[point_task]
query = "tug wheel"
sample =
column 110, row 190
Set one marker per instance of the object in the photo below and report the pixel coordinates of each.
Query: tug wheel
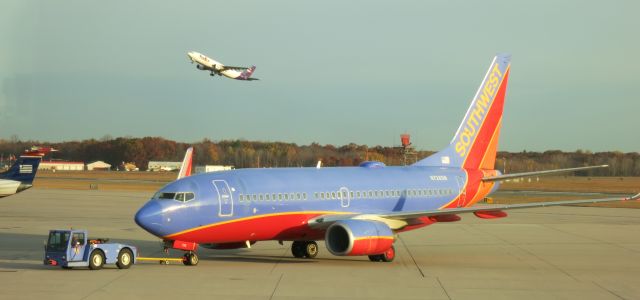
column 125, row 259
column 96, row 260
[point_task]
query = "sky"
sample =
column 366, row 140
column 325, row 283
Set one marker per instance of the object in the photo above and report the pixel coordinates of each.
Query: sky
column 332, row 72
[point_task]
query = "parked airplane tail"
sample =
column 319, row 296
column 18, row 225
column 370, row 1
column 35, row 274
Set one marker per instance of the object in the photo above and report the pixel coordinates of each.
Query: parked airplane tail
column 23, row 170
column 246, row 74
column 185, row 168
column 475, row 143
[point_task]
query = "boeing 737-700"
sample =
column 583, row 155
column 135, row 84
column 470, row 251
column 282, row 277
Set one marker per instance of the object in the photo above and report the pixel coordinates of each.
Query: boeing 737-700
column 355, row 210
column 203, row 62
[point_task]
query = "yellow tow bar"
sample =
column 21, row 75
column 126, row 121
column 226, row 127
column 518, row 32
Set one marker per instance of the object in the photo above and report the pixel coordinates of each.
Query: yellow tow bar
column 160, row 260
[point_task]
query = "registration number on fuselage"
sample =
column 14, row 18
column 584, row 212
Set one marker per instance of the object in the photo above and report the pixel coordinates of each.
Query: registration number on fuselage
column 438, row 178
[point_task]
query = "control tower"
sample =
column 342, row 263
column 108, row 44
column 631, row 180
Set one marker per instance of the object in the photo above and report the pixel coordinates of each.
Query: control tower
column 409, row 153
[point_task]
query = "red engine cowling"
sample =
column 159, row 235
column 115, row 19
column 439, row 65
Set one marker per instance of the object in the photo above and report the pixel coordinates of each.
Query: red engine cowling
column 358, row 237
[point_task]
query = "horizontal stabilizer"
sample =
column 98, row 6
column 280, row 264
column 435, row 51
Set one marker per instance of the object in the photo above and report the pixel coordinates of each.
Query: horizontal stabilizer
column 538, row 173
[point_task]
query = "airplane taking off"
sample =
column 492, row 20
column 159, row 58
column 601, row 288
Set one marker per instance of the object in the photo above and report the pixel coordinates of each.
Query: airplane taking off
column 355, row 210
column 20, row 176
column 206, row 63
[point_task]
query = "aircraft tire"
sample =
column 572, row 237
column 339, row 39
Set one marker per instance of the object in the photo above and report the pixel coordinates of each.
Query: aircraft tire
column 375, row 258
column 190, row 259
column 388, row 255
column 125, row 259
column 298, row 249
column 311, row 249
column 96, row 260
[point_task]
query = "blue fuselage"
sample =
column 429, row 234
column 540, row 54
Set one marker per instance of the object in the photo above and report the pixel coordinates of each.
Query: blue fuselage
column 193, row 207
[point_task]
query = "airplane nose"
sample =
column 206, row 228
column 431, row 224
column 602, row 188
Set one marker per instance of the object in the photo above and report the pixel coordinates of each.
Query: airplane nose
column 149, row 217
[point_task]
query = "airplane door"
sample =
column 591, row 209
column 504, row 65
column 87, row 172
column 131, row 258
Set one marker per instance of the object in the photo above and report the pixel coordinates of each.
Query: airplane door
column 462, row 191
column 225, row 198
column 345, row 198
column 75, row 250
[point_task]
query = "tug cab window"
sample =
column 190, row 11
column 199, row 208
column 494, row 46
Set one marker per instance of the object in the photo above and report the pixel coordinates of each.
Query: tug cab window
column 58, row 241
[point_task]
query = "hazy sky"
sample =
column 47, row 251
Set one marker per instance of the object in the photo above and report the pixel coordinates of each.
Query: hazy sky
column 331, row 71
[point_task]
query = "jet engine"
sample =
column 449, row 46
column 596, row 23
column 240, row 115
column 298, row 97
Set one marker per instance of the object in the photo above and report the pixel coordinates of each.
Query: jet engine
column 200, row 67
column 358, row 237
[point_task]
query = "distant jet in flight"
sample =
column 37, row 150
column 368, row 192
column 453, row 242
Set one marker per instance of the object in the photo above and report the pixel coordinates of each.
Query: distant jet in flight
column 206, row 63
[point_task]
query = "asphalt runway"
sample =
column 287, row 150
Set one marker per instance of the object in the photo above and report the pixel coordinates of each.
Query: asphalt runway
column 544, row 253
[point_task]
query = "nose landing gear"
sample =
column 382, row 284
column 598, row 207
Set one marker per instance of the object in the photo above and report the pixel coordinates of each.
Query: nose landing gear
column 190, row 259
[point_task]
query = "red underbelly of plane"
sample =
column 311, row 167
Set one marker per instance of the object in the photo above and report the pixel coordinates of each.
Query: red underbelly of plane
column 286, row 226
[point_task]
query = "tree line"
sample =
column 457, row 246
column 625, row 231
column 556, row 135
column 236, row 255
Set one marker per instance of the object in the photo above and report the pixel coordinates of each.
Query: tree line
column 257, row 154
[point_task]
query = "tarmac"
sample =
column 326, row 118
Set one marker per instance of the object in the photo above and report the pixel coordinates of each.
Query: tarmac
column 543, row 253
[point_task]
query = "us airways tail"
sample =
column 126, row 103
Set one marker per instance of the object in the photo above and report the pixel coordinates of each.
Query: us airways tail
column 475, row 144
column 20, row 176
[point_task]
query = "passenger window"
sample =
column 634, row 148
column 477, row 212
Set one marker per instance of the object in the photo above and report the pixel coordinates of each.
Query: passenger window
column 315, row 195
column 333, row 195
column 351, row 194
column 292, row 196
column 266, row 197
column 322, row 195
column 358, row 194
column 254, row 197
column 280, row 196
column 298, row 196
column 273, row 197
column 261, row 197
column 286, row 197
column 304, row 196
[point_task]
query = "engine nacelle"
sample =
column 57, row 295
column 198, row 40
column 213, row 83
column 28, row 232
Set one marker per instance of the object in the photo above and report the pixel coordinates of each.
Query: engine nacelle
column 358, row 237
column 200, row 67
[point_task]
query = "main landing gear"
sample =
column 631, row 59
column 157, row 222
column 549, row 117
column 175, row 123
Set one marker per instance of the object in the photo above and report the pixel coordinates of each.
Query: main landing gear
column 190, row 259
column 387, row 256
column 304, row 249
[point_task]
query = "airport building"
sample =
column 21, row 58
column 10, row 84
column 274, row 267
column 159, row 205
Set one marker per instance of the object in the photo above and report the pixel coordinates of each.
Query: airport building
column 98, row 166
column 164, row 166
column 61, row 165
column 212, row 168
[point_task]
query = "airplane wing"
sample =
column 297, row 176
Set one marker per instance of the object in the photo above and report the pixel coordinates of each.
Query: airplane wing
column 397, row 220
column 537, row 173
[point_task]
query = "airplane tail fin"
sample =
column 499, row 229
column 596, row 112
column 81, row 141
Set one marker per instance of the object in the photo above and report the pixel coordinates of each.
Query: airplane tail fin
column 24, row 169
column 185, row 168
column 475, row 144
column 246, row 74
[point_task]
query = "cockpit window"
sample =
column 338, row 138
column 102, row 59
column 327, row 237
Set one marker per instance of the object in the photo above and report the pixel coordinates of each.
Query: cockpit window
column 182, row 197
column 166, row 195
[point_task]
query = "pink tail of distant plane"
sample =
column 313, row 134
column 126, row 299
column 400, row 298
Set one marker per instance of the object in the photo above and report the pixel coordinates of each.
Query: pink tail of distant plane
column 246, row 75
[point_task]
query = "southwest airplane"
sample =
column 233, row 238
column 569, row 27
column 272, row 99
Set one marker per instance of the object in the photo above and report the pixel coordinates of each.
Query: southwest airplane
column 355, row 210
column 20, row 176
column 206, row 63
